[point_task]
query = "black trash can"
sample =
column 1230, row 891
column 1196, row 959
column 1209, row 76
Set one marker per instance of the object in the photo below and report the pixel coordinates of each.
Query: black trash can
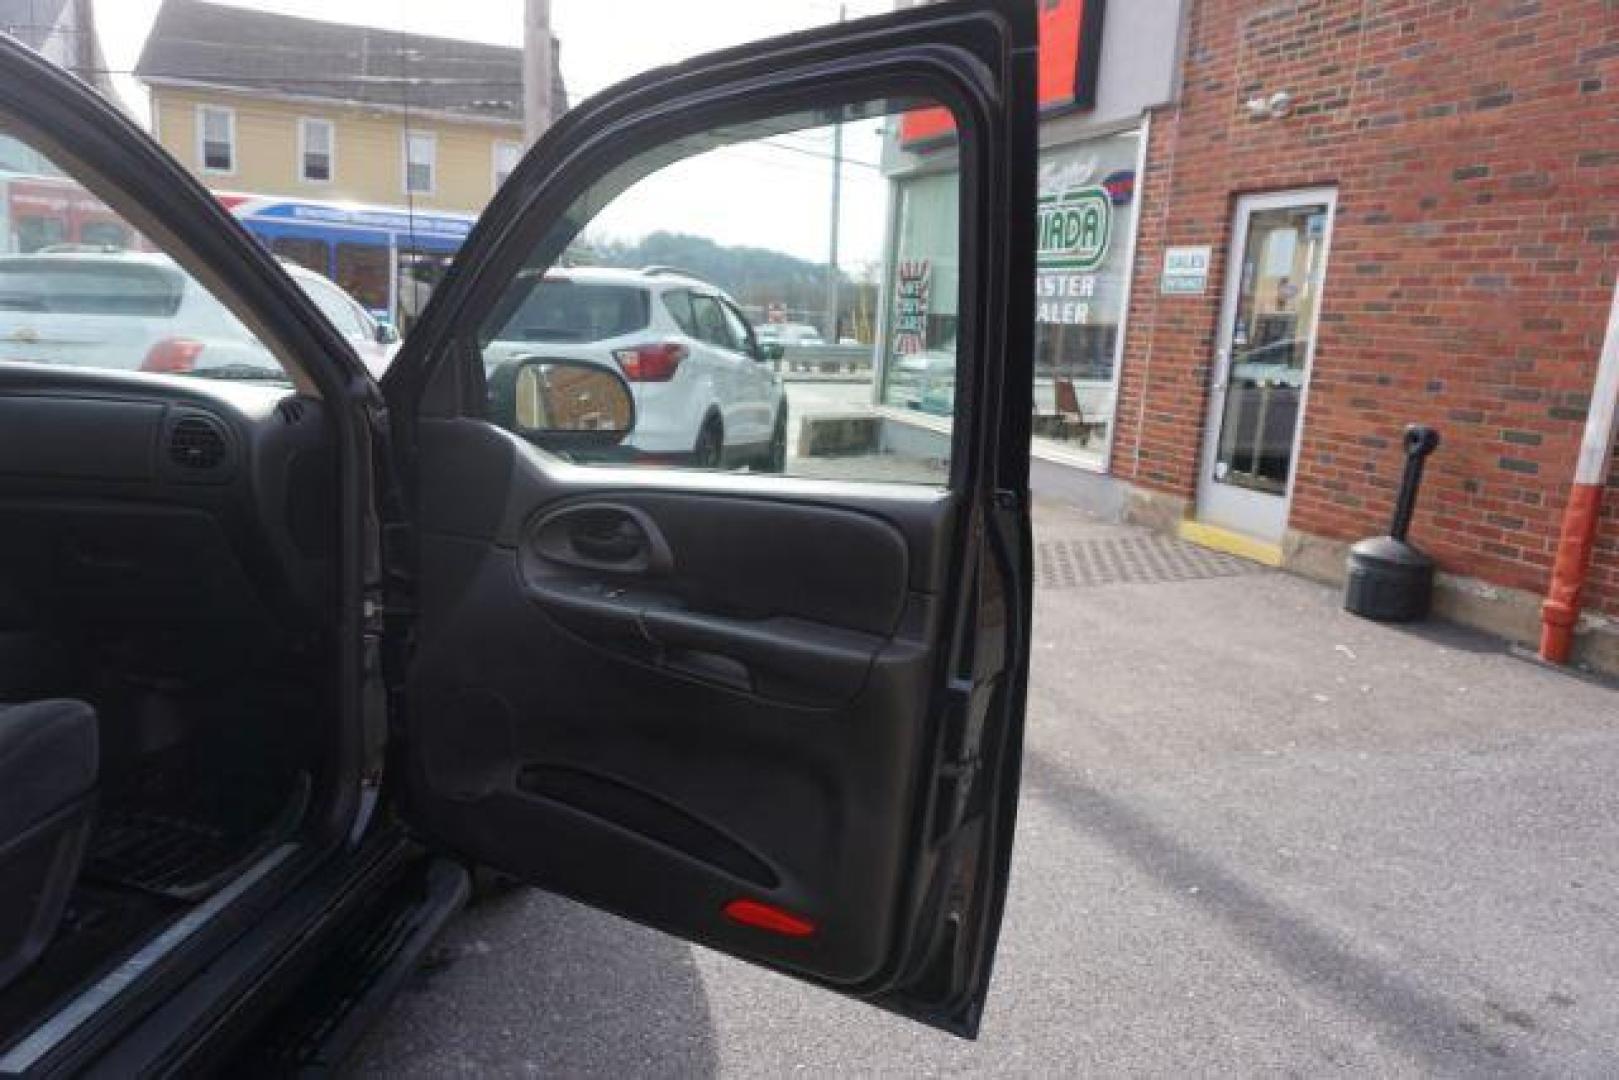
column 1389, row 579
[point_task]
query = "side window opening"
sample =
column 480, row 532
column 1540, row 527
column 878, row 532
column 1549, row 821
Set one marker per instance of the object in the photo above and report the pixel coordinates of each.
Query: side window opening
column 741, row 335
column 729, row 227
column 711, row 322
column 678, row 303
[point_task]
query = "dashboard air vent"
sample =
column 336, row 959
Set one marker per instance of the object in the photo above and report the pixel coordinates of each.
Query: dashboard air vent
column 195, row 442
column 291, row 411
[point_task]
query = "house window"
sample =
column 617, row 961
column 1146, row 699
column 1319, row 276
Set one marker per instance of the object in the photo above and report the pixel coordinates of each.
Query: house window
column 421, row 153
column 216, row 138
column 317, row 142
column 507, row 155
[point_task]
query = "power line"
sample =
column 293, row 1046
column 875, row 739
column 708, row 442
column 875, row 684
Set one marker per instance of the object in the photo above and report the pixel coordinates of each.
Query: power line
column 409, row 52
column 843, row 159
column 748, row 154
column 235, row 79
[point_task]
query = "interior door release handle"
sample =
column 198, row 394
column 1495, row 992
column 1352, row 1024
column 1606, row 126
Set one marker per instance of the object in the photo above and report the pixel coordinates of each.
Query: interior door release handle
column 622, row 543
column 601, row 536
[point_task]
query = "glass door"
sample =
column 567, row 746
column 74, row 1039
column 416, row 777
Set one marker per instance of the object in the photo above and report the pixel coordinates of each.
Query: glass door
column 1267, row 336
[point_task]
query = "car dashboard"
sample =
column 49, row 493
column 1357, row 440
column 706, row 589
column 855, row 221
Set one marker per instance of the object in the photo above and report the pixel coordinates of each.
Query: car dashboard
column 131, row 498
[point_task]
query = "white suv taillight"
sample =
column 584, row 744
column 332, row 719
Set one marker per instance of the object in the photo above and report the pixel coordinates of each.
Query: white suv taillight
column 651, row 363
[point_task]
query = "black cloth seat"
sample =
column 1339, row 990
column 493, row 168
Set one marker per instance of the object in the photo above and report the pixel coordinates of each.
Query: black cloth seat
column 49, row 756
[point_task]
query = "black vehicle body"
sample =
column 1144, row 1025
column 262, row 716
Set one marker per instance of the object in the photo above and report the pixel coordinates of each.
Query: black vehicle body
column 813, row 757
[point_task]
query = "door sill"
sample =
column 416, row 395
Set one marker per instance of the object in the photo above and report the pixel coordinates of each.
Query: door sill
column 90, row 1003
column 379, row 947
column 1231, row 542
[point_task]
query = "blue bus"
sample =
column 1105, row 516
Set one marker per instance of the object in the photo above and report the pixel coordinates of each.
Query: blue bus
column 389, row 259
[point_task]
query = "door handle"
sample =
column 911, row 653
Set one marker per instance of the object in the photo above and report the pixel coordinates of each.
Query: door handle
column 601, row 536
column 620, row 544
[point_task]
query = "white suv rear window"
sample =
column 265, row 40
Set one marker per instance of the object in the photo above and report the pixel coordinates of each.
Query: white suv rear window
column 563, row 310
column 88, row 288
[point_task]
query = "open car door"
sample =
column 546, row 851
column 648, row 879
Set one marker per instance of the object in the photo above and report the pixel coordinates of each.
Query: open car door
column 777, row 714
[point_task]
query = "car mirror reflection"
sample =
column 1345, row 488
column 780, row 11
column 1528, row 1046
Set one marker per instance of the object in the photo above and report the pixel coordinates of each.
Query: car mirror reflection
column 568, row 406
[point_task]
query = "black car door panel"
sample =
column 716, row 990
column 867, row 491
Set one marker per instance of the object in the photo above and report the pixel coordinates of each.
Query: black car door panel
column 782, row 773
column 774, row 715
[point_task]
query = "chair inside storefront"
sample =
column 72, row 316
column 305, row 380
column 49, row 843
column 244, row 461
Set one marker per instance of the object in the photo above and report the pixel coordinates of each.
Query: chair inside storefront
column 1069, row 422
column 1070, row 417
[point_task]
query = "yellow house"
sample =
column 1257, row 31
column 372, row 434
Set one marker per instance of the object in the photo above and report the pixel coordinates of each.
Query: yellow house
column 267, row 104
column 329, row 150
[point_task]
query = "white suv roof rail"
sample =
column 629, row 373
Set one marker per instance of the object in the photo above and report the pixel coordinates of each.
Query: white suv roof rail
column 657, row 271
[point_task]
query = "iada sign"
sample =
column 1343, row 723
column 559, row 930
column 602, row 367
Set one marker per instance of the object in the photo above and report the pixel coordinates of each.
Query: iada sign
column 1072, row 229
column 1070, row 45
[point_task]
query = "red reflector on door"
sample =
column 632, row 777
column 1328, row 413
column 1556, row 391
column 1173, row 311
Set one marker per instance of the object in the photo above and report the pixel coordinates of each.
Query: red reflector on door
column 768, row 917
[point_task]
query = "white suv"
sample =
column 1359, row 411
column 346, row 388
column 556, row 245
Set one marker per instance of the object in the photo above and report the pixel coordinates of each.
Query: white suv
column 705, row 394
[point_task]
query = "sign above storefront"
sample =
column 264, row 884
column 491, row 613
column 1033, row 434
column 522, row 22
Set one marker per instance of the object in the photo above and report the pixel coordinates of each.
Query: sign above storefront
column 1072, row 229
column 1070, row 48
column 1186, row 271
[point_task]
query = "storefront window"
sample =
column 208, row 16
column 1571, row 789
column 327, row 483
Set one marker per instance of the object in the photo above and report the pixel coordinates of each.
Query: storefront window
column 920, row 352
column 1085, row 218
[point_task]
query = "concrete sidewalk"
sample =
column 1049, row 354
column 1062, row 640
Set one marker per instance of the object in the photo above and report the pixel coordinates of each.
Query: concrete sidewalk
column 1258, row 836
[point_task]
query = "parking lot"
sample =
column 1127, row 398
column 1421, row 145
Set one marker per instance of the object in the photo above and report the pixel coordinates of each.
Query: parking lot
column 1258, row 836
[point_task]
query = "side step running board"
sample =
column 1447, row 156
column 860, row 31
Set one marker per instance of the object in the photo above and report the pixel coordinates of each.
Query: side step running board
column 312, row 1033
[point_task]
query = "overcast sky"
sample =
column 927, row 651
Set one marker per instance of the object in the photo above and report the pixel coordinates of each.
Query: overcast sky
column 767, row 197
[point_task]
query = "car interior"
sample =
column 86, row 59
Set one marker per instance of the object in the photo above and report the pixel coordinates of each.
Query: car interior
column 170, row 596
column 774, row 715
column 165, row 627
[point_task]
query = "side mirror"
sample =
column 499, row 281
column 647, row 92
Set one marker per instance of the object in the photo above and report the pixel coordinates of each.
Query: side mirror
column 571, row 407
column 387, row 334
column 771, row 350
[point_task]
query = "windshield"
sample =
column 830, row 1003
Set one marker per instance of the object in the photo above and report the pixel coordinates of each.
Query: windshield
column 557, row 309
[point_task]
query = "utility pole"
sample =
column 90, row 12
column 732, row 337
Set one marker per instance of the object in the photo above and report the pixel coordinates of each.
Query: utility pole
column 84, row 44
column 539, row 56
column 837, row 198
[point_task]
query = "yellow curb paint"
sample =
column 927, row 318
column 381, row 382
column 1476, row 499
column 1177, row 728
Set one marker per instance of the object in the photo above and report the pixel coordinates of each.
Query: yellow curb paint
column 1232, row 543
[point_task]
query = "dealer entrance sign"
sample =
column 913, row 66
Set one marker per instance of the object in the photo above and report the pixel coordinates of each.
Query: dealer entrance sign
column 1073, row 229
column 1186, row 271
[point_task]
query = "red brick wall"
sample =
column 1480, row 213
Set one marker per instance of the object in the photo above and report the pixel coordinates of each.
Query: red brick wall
column 1475, row 149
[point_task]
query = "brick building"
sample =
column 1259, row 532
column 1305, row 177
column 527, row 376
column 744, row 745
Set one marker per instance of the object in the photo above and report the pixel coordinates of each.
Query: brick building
column 1458, row 164
column 1346, row 216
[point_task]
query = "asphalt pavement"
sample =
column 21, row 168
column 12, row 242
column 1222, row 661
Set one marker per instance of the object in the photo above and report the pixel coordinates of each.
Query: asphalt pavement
column 1258, row 837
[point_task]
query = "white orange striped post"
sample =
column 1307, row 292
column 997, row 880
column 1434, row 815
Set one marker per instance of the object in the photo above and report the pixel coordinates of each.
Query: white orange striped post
column 1561, row 610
